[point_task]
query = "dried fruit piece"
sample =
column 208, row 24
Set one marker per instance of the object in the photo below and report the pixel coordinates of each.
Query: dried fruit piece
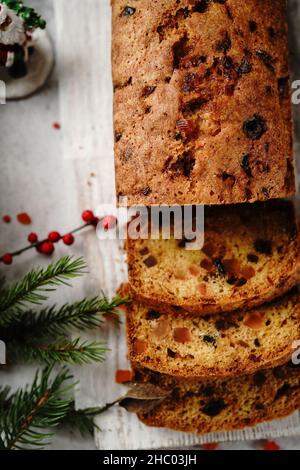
column 194, row 270
column 128, row 11
column 210, row 339
column 282, row 391
column 224, row 324
column 244, row 67
column 148, row 90
column 267, row 59
column 201, row 6
column 182, row 335
column 162, row 328
column 153, row 315
column 248, row 272
column 255, row 127
column 202, row 289
column 259, row 378
column 252, row 258
column 123, row 376
column 254, row 320
column 245, row 165
column 139, row 346
column 232, row 266
column 224, row 45
column 146, row 191
column 184, row 164
column 214, row 407
column 171, row 353
column 193, row 105
column 252, row 26
column 118, row 136
column 263, row 246
column 150, row 262
column 208, row 265
column 220, row 267
column 283, row 86
column 209, row 249
column 180, row 50
column 180, row 274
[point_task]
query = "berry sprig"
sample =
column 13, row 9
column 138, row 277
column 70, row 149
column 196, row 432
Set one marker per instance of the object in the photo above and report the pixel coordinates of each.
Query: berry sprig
column 47, row 245
column 31, row 19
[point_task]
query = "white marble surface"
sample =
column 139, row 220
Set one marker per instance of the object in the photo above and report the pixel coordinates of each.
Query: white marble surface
column 47, row 173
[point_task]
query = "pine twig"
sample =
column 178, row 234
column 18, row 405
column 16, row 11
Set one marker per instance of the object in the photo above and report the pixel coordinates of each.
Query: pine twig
column 61, row 351
column 34, row 285
column 82, row 420
column 34, row 409
column 52, row 321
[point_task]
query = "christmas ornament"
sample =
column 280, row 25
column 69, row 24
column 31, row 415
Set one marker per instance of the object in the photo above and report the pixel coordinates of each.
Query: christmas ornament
column 26, row 53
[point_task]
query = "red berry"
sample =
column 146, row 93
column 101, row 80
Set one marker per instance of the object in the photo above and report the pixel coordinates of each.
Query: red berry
column 109, row 222
column 271, row 445
column 46, row 248
column 7, row 258
column 24, row 218
column 88, row 216
column 56, row 125
column 210, row 446
column 54, row 237
column 32, row 238
column 68, row 239
column 6, row 219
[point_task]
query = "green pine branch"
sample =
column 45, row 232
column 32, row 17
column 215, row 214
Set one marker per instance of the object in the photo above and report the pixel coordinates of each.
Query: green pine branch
column 34, row 409
column 82, row 420
column 30, row 335
column 32, row 288
column 56, row 321
column 62, row 350
column 31, row 19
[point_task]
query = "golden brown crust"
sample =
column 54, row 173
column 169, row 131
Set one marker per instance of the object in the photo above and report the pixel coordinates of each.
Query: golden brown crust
column 257, row 250
column 224, row 345
column 214, row 406
column 202, row 101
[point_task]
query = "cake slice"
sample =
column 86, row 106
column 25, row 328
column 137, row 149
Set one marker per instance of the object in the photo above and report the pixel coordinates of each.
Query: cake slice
column 223, row 405
column 223, row 345
column 251, row 255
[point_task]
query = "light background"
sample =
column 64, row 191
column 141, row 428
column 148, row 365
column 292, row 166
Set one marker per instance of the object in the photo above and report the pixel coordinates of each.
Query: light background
column 54, row 175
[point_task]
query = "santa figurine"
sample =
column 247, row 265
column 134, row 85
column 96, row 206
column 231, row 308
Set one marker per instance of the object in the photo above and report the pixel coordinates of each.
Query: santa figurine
column 17, row 27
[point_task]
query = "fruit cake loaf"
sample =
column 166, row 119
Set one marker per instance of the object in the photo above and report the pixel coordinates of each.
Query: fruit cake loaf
column 202, row 109
column 224, row 405
column 222, row 345
column 251, row 255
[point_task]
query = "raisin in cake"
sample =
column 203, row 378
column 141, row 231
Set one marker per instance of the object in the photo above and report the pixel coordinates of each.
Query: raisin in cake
column 224, row 405
column 202, row 110
column 251, row 255
column 222, row 345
